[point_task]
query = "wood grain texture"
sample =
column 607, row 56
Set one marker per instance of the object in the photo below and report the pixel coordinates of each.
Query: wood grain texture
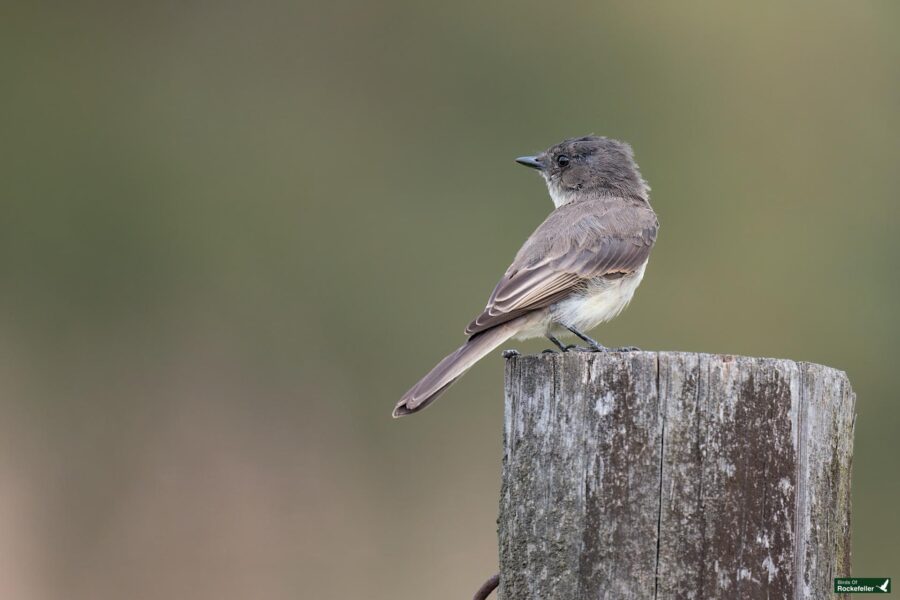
column 674, row 475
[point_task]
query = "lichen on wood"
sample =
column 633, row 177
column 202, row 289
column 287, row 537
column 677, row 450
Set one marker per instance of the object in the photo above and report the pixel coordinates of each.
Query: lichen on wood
column 674, row 475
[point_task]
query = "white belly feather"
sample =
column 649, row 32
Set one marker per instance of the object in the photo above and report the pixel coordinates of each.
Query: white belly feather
column 602, row 301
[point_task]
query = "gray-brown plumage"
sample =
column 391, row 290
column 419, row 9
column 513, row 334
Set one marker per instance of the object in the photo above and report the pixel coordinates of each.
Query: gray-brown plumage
column 578, row 269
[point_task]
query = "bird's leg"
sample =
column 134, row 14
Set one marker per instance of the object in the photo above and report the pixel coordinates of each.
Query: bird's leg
column 557, row 343
column 593, row 345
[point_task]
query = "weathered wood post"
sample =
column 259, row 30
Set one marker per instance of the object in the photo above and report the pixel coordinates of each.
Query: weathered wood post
column 674, row 475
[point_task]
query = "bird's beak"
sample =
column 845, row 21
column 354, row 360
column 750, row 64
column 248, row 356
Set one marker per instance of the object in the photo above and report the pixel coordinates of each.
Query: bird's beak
column 530, row 161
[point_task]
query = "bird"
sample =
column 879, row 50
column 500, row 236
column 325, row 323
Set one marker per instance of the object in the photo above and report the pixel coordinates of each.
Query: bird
column 884, row 586
column 579, row 268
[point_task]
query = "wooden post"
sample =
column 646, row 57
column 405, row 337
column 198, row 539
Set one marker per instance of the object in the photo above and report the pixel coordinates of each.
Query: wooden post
column 674, row 475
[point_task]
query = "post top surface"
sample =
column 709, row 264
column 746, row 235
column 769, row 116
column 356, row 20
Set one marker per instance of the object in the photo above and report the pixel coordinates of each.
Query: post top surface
column 672, row 355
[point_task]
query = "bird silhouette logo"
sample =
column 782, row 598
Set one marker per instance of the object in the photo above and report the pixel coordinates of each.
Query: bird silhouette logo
column 884, row 586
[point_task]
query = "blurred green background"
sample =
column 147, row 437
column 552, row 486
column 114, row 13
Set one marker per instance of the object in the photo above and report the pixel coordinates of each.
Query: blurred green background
column 233, row 234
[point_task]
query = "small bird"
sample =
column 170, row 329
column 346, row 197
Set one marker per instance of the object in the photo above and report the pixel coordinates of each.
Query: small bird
column 578, row 269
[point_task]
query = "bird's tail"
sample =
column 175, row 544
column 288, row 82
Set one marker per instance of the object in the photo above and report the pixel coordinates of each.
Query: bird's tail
column 453, row 367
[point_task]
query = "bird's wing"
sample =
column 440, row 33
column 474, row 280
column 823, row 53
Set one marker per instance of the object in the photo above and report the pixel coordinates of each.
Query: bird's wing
column 576, row 243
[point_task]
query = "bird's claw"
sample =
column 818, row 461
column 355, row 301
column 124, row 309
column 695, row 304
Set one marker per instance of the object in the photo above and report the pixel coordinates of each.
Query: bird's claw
column 597, row 348
column 626, row 349
column 509, row 353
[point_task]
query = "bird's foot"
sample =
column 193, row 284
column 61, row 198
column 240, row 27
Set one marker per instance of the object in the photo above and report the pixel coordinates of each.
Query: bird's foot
column 626, row 349
column 558, row 344
column 591, row 348
column 509, row 353
column 566, row 348
column 592, row 344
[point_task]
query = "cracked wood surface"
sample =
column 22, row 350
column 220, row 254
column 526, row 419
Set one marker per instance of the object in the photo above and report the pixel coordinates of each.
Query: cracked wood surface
column 674, row 475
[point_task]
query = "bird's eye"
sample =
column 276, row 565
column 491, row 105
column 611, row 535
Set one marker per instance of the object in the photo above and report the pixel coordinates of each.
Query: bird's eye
column 562, row 160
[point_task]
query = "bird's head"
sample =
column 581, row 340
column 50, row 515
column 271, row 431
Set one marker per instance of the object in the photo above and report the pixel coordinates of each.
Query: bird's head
column 586, row 167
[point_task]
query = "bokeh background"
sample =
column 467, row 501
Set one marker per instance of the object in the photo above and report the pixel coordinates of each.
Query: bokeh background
column 234, row 233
